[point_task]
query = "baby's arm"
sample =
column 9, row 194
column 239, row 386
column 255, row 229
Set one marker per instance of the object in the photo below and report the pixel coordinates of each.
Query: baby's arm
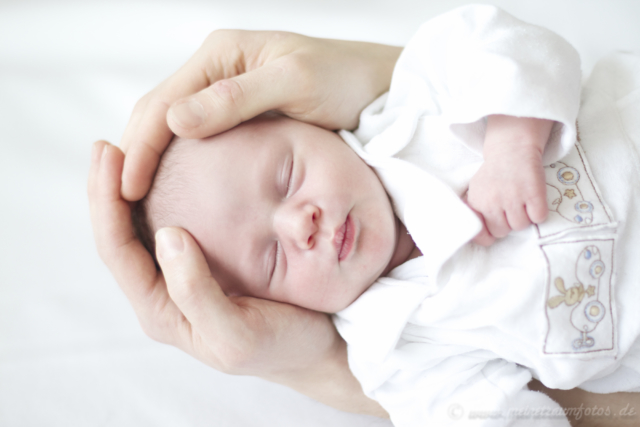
column 509, row 190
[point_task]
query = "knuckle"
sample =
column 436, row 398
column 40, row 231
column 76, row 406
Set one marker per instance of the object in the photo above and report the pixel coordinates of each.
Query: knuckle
column 141, row 103
column 302, row 67
column 229, row 93
column 282, row 36
column 219, row 35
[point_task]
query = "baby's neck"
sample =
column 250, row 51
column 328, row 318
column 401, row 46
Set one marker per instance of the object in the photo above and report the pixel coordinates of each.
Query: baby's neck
column 405, row 249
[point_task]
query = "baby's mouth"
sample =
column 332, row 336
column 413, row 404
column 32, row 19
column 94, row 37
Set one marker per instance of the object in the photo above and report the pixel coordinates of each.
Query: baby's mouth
column 344, row 239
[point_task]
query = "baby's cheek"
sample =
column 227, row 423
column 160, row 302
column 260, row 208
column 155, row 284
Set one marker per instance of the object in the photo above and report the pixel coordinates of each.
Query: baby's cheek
column 379, row 248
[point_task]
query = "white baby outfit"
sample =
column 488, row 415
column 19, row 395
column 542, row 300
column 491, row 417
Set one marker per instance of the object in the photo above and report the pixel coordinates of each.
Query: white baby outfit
column 453, row 337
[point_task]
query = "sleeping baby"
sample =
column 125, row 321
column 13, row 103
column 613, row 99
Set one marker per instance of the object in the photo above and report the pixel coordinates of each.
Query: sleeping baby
column 373, row 226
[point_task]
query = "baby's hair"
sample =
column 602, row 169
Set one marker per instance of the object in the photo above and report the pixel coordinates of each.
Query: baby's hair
column 141, row 228
column 164, row 199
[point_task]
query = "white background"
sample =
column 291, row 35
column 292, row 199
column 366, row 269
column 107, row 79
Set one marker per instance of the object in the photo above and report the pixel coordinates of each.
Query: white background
column 71, row 350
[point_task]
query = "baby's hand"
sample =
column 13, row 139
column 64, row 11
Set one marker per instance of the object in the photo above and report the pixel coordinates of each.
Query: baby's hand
column 509, row 190
column 509, row 193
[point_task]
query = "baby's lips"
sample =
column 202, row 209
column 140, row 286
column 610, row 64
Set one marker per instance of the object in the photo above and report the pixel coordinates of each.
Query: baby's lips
column 339, row 236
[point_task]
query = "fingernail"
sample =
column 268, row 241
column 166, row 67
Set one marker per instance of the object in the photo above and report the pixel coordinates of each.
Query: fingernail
column 188, row 114
column 104, row 152
column 168, row 244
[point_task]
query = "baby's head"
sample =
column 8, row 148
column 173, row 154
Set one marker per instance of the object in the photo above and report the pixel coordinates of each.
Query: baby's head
column 282, row 210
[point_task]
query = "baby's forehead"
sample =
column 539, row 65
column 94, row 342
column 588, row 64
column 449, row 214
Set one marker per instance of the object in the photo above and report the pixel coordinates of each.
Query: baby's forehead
column 241, row 144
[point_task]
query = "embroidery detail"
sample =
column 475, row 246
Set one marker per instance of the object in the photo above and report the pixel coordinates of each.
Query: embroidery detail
column 570, row 193
column 579, row 317
column 572, row 197
column 577, row 240
column 569, row 296
column 567, row 180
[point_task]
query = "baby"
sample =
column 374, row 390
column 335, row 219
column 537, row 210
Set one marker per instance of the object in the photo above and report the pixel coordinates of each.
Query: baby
column 376, row 230
column 282, row 210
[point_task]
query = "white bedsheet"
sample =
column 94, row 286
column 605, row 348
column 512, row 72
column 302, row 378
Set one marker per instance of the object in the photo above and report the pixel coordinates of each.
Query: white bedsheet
column 71, row 351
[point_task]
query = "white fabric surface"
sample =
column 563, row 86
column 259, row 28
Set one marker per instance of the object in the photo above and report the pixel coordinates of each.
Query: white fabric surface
column 71, row 351
column 460, row 329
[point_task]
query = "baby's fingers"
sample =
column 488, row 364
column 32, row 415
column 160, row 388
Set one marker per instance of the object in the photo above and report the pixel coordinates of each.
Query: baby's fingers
column 517, row 217
column 484, row 238
column 537, row 210
column 497, row 223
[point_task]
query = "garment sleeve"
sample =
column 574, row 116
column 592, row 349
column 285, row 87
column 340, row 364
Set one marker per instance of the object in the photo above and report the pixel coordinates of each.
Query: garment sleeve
column 463, row 390
column 478, row 60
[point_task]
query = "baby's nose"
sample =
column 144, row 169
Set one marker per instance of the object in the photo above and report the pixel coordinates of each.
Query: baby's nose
column 301, row 225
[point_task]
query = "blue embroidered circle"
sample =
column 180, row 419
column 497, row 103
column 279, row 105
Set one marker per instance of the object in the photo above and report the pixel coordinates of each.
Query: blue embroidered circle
column 568, row 175
column 584, row 207
column 597, row 269
column 583, row 343
column 577, row 218
column 587, row 254
column 594, row 311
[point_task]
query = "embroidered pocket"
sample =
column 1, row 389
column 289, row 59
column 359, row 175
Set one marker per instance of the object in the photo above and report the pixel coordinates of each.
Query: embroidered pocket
column 579, row 306
column 573, row 199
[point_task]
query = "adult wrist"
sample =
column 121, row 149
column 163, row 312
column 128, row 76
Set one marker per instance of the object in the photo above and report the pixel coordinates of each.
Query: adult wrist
column 330, row 381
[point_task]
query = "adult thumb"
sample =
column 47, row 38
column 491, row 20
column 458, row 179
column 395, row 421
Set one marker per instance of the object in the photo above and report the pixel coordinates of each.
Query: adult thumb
column 189, row 281
column 229, row 102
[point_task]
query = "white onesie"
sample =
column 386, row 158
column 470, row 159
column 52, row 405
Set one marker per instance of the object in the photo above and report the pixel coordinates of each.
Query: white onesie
column 453, row 337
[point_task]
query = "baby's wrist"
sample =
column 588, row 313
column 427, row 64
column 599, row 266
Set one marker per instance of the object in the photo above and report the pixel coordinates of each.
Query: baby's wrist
column 509, row 135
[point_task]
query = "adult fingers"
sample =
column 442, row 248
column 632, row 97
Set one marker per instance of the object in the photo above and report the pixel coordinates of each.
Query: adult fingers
column 131, row 265
column 228, row 102
column 96, row 153
column 145, row 141
column 214, row 318
column 111, row 215
column 147, row 133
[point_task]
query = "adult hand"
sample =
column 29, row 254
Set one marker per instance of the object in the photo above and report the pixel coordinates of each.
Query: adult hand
column 236, row 75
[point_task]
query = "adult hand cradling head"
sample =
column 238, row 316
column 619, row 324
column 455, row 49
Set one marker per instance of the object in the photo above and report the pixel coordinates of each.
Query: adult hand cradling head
column 233, row 77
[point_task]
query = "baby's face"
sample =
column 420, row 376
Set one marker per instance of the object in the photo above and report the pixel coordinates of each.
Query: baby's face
column 287, row 211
